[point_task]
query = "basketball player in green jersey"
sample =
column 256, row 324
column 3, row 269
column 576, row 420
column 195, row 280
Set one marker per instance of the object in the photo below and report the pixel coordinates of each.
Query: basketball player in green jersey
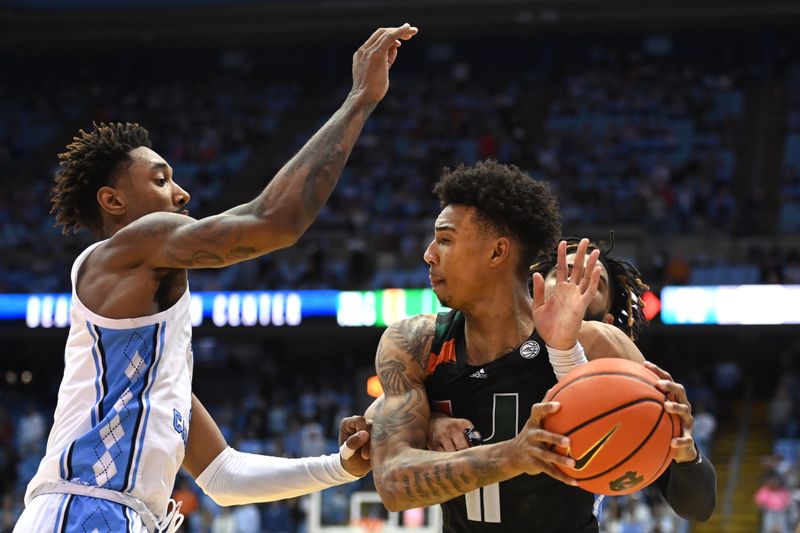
column 689, row 484
column 491, row 359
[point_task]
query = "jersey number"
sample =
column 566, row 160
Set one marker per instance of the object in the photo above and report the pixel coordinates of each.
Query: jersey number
column 483, row 504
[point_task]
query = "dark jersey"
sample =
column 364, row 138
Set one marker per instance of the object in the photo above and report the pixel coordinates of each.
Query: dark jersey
column 497, row 397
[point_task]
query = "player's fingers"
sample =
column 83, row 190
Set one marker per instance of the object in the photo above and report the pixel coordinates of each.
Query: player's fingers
column 660, row 372
column 579, row 262
column 366, row 451
column 410, row 32
column 404, row 32
column 374, row 37
column 677, row 390
column 538, row 290
column 555, row 473
column 353, row 443
column 562, row 271
column 591, row 290
column 682, row 410
column 541, row 410
column 536, row 436
column 591, row 264
column 387, row 40
column 550, row 456
column 460, row 442
column 682, row 442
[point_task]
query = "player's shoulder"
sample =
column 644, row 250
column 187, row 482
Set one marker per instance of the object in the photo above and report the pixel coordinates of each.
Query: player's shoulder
column 152, row 225
column 412, row 327
column 135, row 242
column 411, row 336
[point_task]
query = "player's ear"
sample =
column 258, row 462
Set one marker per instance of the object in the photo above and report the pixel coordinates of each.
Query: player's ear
column 501, row 250
column 608, row 318
column 111, row 201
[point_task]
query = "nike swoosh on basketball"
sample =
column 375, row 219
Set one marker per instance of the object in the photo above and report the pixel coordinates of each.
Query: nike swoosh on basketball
column 584, row 460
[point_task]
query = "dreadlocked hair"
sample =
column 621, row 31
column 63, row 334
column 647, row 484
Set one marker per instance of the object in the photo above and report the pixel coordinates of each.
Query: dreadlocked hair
column 92, row 160
column 625, row 285
column 507, row 201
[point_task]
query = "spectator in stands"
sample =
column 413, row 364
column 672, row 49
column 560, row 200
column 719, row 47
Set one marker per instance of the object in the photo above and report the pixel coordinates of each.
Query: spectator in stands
column 705, row 424
column 773, row 498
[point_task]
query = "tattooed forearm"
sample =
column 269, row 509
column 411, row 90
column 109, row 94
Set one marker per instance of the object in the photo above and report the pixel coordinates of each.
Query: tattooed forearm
column 303, row 185
column 424, row 478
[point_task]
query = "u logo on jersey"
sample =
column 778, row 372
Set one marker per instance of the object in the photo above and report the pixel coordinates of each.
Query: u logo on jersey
column 179, row 426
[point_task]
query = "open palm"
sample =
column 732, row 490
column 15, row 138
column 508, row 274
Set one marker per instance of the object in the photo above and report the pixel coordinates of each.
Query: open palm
column 558, row 318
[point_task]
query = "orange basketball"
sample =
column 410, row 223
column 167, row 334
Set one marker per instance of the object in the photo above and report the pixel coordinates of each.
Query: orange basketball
column 619, row 431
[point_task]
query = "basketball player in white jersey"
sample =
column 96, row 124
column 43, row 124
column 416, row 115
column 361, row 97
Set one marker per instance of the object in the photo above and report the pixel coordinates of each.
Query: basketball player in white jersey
column 126, row 418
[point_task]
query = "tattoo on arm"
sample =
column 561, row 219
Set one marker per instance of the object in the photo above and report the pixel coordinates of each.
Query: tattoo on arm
column 414, row 337
column 395, row 382
column 405, row 471
column 315, row 168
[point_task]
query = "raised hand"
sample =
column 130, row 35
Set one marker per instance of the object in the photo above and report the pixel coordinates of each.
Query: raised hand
column 685, row 449
column 372, row 61
column 558, row 318
column 354, row 440
column 530, row 449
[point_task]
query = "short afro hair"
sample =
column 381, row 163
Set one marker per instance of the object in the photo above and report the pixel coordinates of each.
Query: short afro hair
column 92, row 160
column 625, row 287
column 508, row 201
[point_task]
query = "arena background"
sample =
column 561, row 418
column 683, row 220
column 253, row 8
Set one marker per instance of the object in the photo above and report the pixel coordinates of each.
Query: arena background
column 676, row 124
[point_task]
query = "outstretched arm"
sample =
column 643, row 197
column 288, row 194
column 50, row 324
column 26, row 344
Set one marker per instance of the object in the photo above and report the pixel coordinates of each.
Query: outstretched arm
column 604, row 340
column 690, row 483
column 406, row 474
column 292, row 199
column 230, row 477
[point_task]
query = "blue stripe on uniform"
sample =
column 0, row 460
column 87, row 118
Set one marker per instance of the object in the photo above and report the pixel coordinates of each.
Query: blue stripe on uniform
column 99, row 374
column 126, row 358
column 58, row 513
column 101, row 412
column 65, row 518
column 90, row 514
column 158, row 341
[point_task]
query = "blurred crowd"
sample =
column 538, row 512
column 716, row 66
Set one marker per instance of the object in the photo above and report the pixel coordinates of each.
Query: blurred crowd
column 628, row 137
column 778, row 496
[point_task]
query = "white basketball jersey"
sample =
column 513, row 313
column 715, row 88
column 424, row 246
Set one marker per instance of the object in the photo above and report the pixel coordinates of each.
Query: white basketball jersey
column 123, row 412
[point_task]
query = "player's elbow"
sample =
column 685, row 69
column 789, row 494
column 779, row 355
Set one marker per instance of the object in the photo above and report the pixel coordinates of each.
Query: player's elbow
column 391, row 489
column 393, row 500
column 704, row 512
column 221, row 499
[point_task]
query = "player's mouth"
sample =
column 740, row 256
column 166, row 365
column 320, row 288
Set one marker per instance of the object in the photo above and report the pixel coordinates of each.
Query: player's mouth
column 436, row 281
column 183, row 212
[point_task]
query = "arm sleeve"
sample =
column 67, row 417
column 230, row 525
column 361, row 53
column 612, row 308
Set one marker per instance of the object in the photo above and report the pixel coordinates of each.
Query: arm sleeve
column 690, row 488
column 236, row 478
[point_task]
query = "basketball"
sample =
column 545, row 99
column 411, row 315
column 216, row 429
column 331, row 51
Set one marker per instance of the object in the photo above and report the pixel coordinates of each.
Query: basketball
column 619, row 431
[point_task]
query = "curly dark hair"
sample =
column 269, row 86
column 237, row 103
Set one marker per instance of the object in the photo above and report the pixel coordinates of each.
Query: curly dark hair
column 508, row 201
column 92, row 160
column 625, row 284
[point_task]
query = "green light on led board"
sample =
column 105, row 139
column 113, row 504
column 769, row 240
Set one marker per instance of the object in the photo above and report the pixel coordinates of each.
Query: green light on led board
column 381, row 308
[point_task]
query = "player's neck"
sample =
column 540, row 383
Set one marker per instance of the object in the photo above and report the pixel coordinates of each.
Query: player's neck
column 497, row 325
